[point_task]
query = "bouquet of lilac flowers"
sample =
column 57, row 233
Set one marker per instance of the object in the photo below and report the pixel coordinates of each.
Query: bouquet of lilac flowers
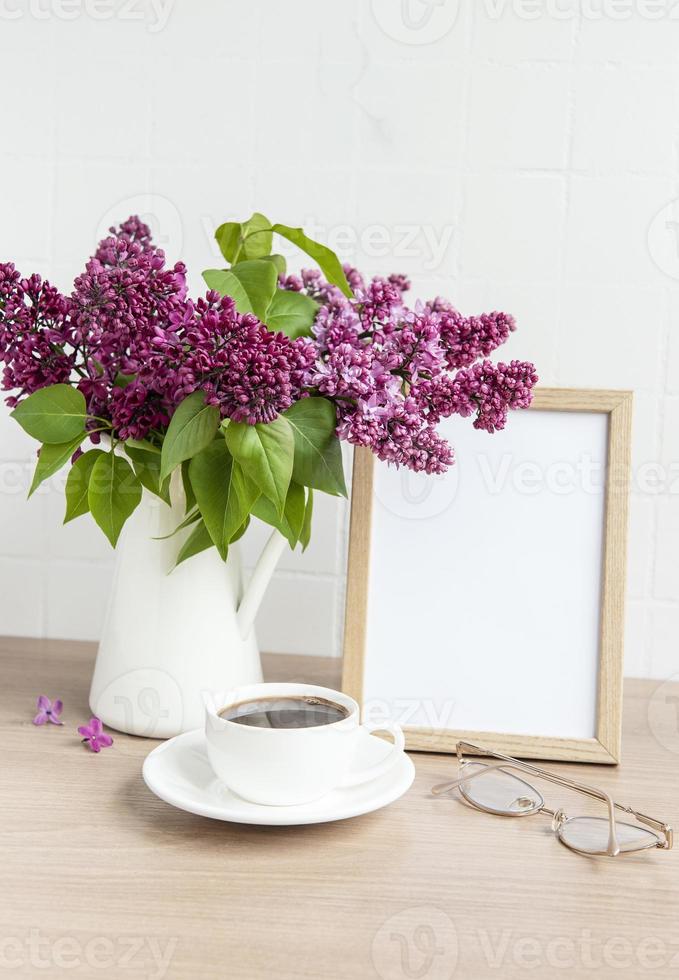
column 245, row 392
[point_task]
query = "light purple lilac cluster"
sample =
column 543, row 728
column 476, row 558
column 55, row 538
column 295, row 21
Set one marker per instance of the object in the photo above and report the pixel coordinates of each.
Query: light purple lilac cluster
column 394, row 373
column 136, row 345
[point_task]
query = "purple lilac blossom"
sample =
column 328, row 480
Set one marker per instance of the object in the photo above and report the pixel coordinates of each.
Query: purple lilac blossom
column 48, row 711
column 490, row 390
column 136, row 345
column 94, row 735
column 466, row 339
column 395, row 372
column 251, row 373
column 35, row 334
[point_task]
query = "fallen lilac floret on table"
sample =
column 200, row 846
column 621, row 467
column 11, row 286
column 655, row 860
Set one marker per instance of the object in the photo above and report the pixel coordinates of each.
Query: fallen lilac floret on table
column 94, row 735
column 48, row 711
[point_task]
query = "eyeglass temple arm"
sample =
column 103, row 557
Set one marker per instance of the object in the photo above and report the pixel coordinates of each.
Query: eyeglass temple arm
column 613, row 848
column 453, row 784
column 551, row 777
column 664, row 828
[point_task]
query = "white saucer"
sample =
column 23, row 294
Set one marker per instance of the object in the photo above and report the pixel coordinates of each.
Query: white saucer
column 179, row 773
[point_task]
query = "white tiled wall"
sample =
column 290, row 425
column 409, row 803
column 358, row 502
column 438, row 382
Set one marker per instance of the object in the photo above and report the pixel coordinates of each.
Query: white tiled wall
column 508, row 154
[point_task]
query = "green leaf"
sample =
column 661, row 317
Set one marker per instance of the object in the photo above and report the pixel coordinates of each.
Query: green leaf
column 279, row 263
column 187, row 522
column 259, row 279
column 291, row 313
column 52, row 457
column 192, row 428
column 114, row 492
column 248, row 240
column 199, row 540
column 330, row 265
column 228, row 239
column 251, row 284
column 256, row 238
column 77, row 484
column 266, row 453
column 265, row 511
column 294, row 510
column 291, row 522
column 144, row 444
column 147, row 467
column 226, row 283
column 318, row 457
column 305, row 535
column 188, row 489
column 53, row 415
column 223, row 494
column 241, row 530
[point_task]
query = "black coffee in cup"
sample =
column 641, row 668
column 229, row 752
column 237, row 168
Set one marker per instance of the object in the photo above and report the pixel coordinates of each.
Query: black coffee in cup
column 296, row 711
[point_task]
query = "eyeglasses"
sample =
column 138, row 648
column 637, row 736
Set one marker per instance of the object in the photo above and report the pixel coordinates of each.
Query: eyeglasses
column 491, row 787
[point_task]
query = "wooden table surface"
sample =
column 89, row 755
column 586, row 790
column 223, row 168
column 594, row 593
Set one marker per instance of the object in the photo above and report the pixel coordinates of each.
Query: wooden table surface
column 101, row 879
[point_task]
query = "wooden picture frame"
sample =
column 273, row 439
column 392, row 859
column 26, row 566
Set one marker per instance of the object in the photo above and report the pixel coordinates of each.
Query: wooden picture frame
column 604, row 746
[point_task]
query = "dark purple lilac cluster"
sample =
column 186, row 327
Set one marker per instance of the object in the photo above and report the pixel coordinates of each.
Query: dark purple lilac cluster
column 136, row 345
column 388, row 368
column 251, row 373
column 36, row 344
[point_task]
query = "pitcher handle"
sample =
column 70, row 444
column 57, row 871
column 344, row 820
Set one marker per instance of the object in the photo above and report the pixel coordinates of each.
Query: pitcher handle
column 261, row 576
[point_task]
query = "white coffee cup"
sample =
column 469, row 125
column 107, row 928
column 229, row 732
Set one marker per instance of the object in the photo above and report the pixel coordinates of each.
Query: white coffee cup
column 289, row 766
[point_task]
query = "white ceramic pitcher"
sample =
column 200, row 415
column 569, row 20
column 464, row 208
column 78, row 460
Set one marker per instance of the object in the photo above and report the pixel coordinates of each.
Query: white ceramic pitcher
column 170, row 635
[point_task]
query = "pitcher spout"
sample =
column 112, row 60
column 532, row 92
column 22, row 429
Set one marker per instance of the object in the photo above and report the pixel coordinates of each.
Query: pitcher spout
column 261, row 576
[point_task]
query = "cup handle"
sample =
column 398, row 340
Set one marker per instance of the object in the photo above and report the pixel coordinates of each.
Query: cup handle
column 372, row 772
